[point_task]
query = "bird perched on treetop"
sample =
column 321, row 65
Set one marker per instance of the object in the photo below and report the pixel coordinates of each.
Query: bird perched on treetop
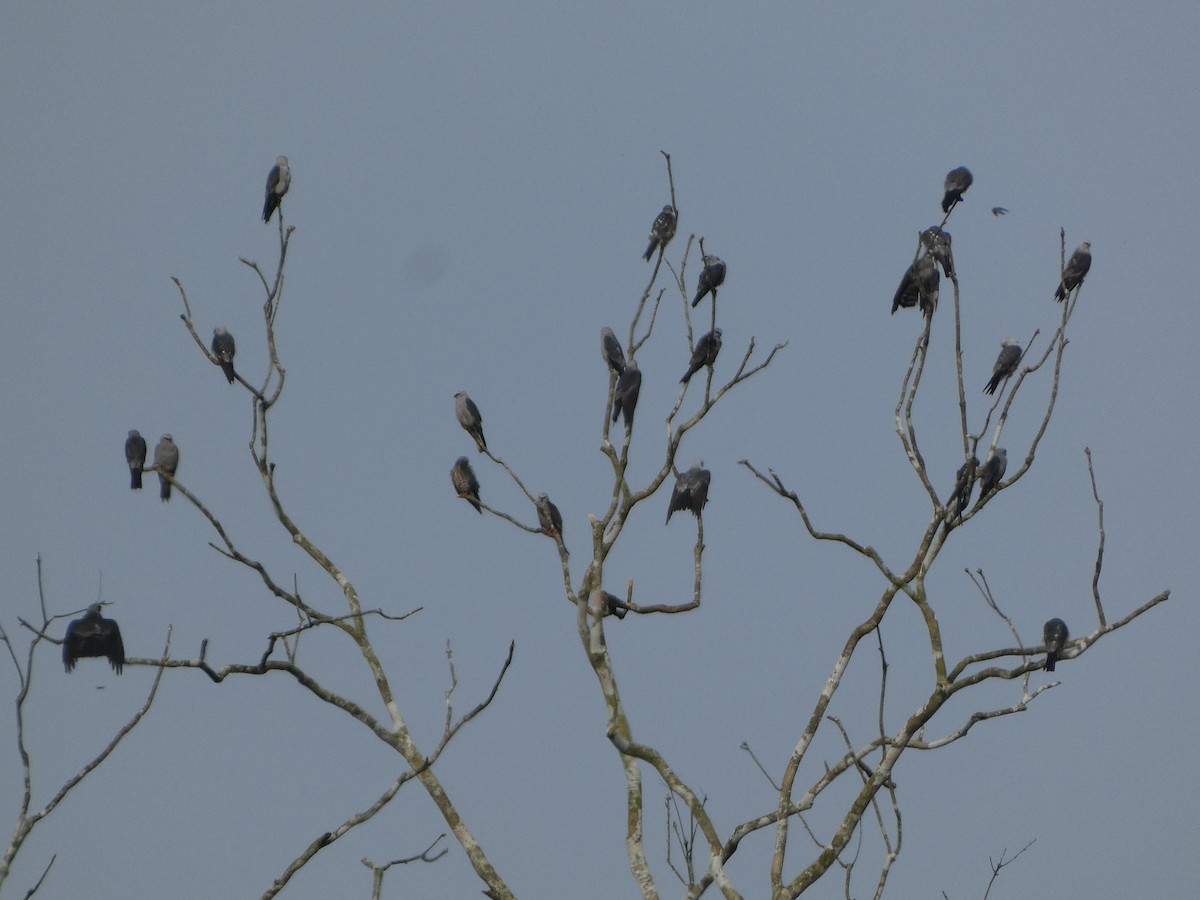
column 166, row 459
column 691, row 490
column 93, row 635
column 705, row 354
column 466, row 485
column 1006, row 364
column 611, row 352
column 1077, row 267
column 712, row 276
column 956, row 184
column 919, row 284
column 223, row 348
column 469, row 418
column 1055, row 635
column 936, row 240
column 625, row 397
column 661, row 231
column 135, row 457
column 279, row 179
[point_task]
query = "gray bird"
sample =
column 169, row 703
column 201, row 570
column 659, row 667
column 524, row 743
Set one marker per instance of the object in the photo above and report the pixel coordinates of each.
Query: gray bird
column 705, row 354
column 93, row 635
column 661, row 231
column 919, row 285
column 548, row 516
column 964, row 483
column 612, row 605
column 1054, row 633
column 166, row 459
column 223, row 348
column 936, row 240
column 611, row 352
column 999, row 211
column 466, row 485
column 135, row 456
column 992, row 471
column 1006, row 364
column 956, row 184
column 469, row 418
column 625, row 397
column 278, row 181
column 712, row 276
column 691, row 490
column 1077, row 267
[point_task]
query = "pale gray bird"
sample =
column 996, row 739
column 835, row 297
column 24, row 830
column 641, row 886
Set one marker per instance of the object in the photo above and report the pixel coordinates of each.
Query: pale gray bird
column 223, row 348
column 705, row 354
column 1006, row 364
column 469, row 418
column 712, row 276
column 625, row 397
column 992, row 471
column 691, row 490
column 278, row 181
column 548, row 516
column 166, row 459
column 661, row 231
column 956, row 184
column 936, row 240
column 1077, row 267
column 466, row 485
column 964, row 483
column 1055, row 635
column 135, row 457
column 93, row 635
column 611, row 352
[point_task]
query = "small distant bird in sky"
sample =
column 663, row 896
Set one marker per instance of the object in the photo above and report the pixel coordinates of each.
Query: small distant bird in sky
column 135, row 457
column 278, row 181
column 999, row 211
column 93, row 635
column 661, row 231
column 625, row 397
column 937, row 241
column 223, row 348
column 548, row 516
column 705, row 354
column 1055, row 635
column 469, row 418
column 956, row 184
column 691, row 490
column 166, row 459
column 993, row 470
column 610, row 350
column 466, row 485
column 1006, row 364
column 1077, row 267
column 712, row 276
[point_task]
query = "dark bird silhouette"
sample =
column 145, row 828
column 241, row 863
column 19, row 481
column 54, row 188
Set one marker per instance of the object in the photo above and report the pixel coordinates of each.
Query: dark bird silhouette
column 93, row 635
column 705, row 354
column 223, row 348
column 1077, row 267
column 548, row 516
column 466, row 485
column 279, row 179
column 919, row 285
column 166, row 459
column 1006, row 364
column 956, row 184
column 612, row 605
column 691, row 490
column 964, row 483
column 469, row 418
column 625, row 397
column 135, row 457
column 611, row 352
column 993, row 470
column 712, row 276
column 1055, row 635
column 936, row 240
column 661, row 231
column 999, row 211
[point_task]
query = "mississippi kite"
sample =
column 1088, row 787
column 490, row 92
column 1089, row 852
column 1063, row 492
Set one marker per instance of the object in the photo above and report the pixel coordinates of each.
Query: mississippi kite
column 93, row 635
column 278, row 181
column 1077, row 267
column 919, row 284
column 625, row 398
column 469, row 418
column 992, row 471
column 661, row 231
column 548, row 516
column 613, row 605
column 957, row 182
column 166, row 459
column 964, row 483
column 135, row 456
column 705, row 354
column 1055, row 635
column 1006, row 364
column 610, row 350
column 223, row 349
column 937, row 241
column 466, row 485
column 691, row 490
column 712, row 276
column 999, row 211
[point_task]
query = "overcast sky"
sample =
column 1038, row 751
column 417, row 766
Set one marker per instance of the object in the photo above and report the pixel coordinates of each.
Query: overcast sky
column 472, row 189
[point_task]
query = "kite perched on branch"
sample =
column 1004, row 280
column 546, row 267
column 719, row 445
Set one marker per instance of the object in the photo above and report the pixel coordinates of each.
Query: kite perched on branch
column 93, row 635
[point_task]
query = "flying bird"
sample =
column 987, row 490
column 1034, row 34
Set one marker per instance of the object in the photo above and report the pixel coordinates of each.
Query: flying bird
column 466, row 485
column 957, row 182
column 992, row 471
column 691, row 490
column 278, row 181
column 661, row 231
column 1077, row 267
column 705, row 354
column 919, row 285
column 469, row 418
column 611, row 352
column 936, row 240
column 625, row 397
column 712, row 276
column 135, row 456
column 1055, row 635
column 999, row 211
column 1006, row 364
column 223, row 349
column 548, row 516
column 166, row 459
column 964, row 483
column 93, row 635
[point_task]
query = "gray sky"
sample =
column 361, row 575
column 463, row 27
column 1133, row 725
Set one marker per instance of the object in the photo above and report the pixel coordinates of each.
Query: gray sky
column 472, row 188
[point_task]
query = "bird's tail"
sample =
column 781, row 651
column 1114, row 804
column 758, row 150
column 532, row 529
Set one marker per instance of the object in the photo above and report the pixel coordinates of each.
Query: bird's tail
column 991, row 386
column 1060, row 295
column 699, row 297
column 164, row 491
column 687, row 376
column 268, row 208
column 227, row 368
column 1051, row 659
column 650, row 251
column 616, row 409
column 135, row 478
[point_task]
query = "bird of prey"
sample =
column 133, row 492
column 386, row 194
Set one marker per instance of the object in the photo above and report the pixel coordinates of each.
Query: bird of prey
column 661, row 231
column 223, row 349
column 1006, row 364
column 279, row 179
column 548, row 516
column 937, row 241
column 992, row 471
column 999, row 211
column 1077, row 267
column 166, row 459
column 712, row 276
column 469, row 418
column 1055, row 635
column 919, row 284
column 705, row 354
column 957, row 182
column 466, row 485
column 625, row 398
column 135, row 456
column 612, row 605
column 610, row 350
column 964, row 483
column 93, row 635
column 691, row 490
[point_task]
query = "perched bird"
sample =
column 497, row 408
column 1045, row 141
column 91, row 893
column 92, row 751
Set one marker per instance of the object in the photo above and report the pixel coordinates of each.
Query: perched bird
column 999, row 211
column 957, row 182
column 705, row 354
column 1055, row 635
column 625, row 397
column 964, row 483
column 466, row 485
column 166, row 459
column 691, row 490
column 936, row 240
column 548, row 516
column 611, row 352
column 712, row 276
column 469, row 418
column 1006, row 364
column 992, row 471
column 613, row 605
column 661, row 231
column 94, row 635
column 135, row 456
column 919, row 285
column 279, row 179
column 223, row 349
column 1077, row 267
